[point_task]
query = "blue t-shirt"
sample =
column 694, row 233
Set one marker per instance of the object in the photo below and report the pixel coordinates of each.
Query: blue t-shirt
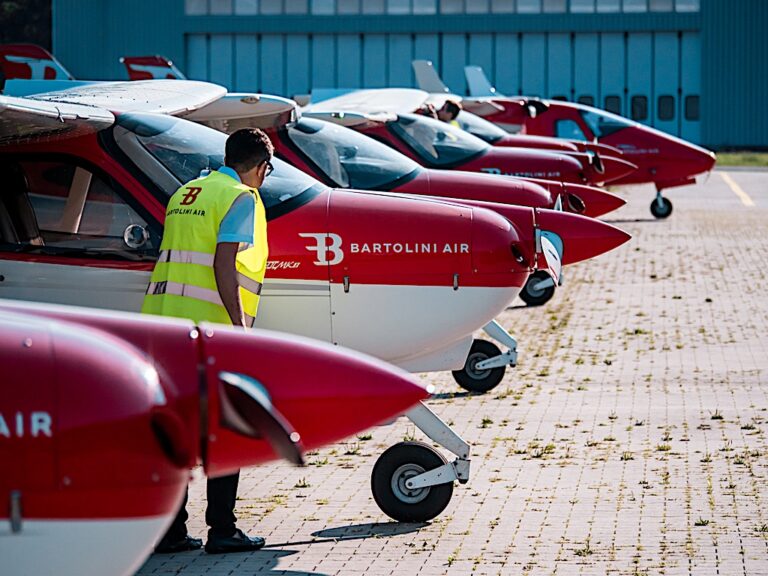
column 237, row 225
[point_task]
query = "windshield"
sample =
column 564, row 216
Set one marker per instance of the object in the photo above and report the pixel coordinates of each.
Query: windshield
column 604, row 123
column 480, row 127
column 186, row 149
column 437, row 143
column 348, row 158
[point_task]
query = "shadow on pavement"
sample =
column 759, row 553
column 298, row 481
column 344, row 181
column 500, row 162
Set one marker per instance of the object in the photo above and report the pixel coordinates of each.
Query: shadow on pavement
column 357, row 532
column 450, row 395
column 372, row 530
column 263, row 561
column 630, row 220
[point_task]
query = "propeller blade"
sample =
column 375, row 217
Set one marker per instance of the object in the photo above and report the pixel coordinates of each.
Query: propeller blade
column 552, row 249
column 247, row 409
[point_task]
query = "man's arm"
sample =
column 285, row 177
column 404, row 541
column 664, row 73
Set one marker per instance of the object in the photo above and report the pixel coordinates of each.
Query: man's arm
column 225, row 273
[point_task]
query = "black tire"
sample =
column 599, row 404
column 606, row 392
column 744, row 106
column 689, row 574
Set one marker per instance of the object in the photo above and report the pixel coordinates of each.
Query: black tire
column 397, row 464
column 662, row 211
column 479, row 380
column 533, row 297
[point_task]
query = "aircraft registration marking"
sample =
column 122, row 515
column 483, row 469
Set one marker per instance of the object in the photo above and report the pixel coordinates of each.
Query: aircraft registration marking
column 736, row 189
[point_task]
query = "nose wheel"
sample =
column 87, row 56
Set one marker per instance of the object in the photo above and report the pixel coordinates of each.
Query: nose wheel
column 392, row 479
column 538, row 289
column 661, row 207
column 474, row 376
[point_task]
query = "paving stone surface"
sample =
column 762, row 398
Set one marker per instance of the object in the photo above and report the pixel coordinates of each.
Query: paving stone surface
column 630, row 440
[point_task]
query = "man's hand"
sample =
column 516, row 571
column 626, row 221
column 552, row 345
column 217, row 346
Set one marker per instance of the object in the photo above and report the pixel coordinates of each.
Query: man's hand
column 225, row 273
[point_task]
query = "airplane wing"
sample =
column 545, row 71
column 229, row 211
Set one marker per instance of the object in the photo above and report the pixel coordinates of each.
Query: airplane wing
column 22, row 119
column 478, row 83
column 174, row 97
column 374, row 101
column 240, row 110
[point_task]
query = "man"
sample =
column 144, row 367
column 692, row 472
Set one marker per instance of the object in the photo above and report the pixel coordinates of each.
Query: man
column 447, row 113
column 211, row 265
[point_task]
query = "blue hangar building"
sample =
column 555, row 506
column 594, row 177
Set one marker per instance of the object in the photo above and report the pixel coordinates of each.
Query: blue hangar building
column 694, row 68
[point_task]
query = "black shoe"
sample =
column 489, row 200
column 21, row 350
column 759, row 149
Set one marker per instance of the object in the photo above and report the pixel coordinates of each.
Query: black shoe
column 238, row 542
column 183, row 545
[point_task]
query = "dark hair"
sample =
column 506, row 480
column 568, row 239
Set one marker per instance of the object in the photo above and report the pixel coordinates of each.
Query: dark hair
column 452, row 107
column 247, row 148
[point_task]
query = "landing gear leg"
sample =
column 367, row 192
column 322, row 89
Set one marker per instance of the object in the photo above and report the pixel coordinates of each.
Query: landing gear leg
column 413, row 482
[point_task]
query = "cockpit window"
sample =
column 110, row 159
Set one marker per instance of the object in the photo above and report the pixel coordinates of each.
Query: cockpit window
column 604, row 123
column 480, row 127
column 185, row 149
column 350, row 159
column 436, row 142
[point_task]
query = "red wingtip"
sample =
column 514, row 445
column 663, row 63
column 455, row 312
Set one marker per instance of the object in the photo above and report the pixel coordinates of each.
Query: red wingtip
column 583, row 237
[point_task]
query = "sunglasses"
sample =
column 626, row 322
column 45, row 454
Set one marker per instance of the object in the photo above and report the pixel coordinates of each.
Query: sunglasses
column 269, row 170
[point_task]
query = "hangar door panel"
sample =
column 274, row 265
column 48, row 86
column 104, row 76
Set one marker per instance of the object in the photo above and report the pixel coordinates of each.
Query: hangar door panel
column 585, row 57
column 507, row 79
column 639, row 77
column 559, row 70
column 400, row 56
column 534, row 64
column 690, row 85
column 666, row 72
column 612, row 73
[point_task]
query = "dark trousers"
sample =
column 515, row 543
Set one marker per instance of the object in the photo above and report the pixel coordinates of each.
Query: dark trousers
column 219, row 515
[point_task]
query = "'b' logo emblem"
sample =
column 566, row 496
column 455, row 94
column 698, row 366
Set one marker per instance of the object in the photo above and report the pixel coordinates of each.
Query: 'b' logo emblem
column 321, row 248
column 190, row 196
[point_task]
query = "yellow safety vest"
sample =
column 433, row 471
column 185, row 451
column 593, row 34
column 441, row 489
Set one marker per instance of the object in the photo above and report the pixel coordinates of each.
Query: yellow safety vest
column 455, row 123
column 183, row 283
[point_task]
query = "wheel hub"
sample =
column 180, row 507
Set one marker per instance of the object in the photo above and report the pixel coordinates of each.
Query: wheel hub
column 530, row 287
column 472, row 361
column 401, row 491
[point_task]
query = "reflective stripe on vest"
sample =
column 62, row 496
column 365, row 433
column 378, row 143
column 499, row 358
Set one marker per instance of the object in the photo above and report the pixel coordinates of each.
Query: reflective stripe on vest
column 186, row 290
column 186, row 257
column 201, row 259
column 192, row 291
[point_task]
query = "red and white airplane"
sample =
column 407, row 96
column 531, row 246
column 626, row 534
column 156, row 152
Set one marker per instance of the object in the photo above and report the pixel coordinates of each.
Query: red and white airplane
column 662, row 159
column 406, row 280
column 103, row 414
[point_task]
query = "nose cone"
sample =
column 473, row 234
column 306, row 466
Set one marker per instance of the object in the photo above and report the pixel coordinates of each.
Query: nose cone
column 706, row 159
column 325, row 393
column 596, row 201
column 582, row 237
column 615, row 168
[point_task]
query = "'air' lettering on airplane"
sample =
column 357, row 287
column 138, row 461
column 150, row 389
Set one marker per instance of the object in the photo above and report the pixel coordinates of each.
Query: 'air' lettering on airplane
column 18, row 425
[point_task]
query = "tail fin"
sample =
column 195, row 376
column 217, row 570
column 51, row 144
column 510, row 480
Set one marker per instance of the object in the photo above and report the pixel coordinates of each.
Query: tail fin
column 427, row 77
column 151, row 68
column 478, row 83
column 30, row 62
